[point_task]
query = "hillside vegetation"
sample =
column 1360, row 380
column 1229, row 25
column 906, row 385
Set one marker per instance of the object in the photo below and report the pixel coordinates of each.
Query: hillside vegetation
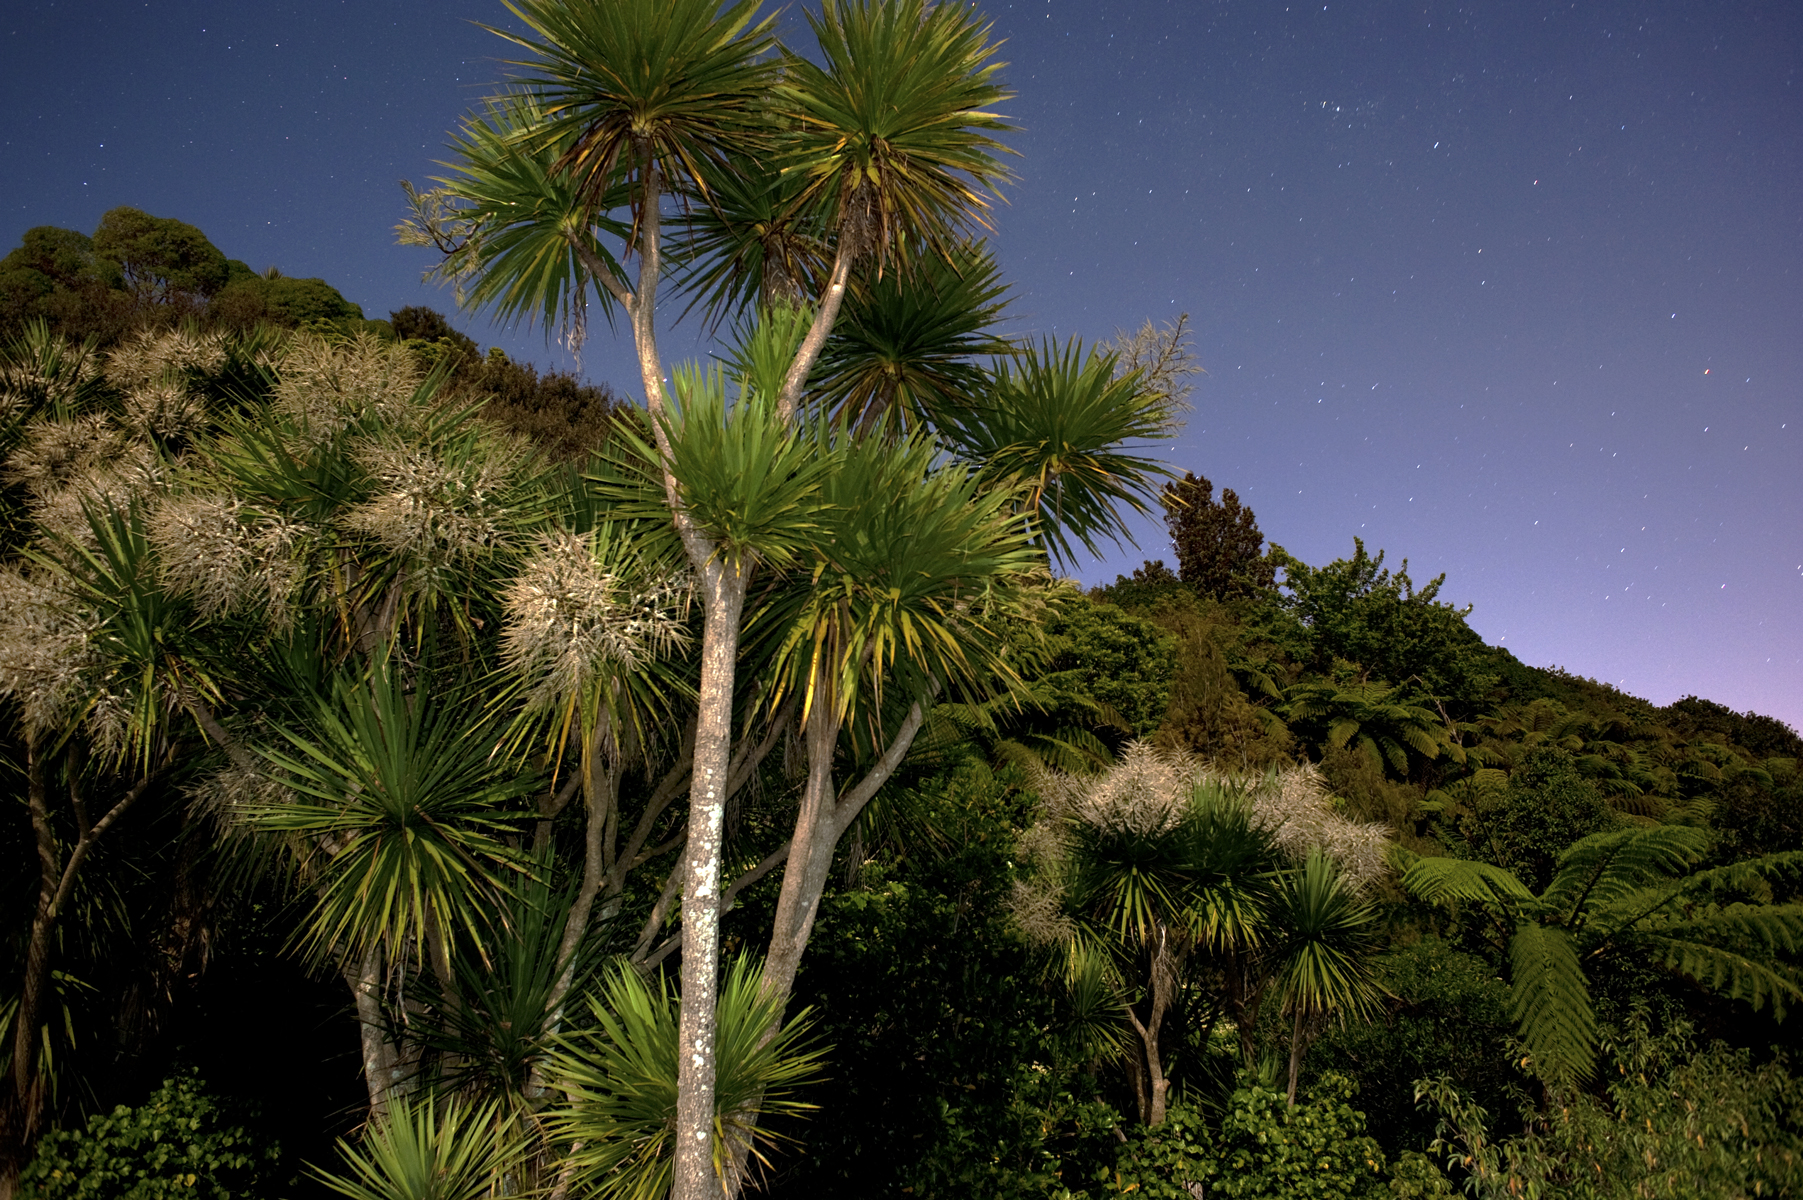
column 438, row 779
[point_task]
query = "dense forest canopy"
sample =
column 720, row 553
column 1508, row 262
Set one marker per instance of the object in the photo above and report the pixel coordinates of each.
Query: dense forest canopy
column 359, row 688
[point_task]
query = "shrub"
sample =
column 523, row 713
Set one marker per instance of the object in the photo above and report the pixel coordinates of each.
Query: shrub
column 181, row 1142
column 1262, row 1150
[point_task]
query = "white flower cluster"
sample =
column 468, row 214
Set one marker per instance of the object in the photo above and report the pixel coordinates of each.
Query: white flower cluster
column 47, row 652
column 575, row 610
column 430, row 508
column 326, row 386
column 1148, row 791
column 226, row 556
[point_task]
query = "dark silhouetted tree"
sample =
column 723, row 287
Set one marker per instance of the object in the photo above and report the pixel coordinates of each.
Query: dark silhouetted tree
column 1220, row 551
column 161, row 258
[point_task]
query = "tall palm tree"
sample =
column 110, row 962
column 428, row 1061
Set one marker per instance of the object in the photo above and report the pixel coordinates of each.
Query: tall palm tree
column 890, row 136
column 894, row 135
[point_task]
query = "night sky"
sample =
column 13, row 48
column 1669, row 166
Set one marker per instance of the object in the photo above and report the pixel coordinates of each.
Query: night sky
column 1511, row 289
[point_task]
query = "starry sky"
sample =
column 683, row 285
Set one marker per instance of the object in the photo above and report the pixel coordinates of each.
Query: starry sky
column 1512, row 288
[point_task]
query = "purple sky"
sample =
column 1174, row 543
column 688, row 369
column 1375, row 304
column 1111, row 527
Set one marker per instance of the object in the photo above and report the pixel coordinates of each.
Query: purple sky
column 1512, row 289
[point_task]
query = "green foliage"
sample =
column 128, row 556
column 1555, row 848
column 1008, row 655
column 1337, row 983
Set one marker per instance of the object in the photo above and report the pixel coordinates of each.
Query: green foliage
column 422, row 1150
column 515, row 237
column 1546, row 807
column 749, row 481
column 281, row 300
column 620, row 1080
column 1375, row 719
column 1261, row 1149
column 676, row 82
column 1632, row 893
column 1674, row 1121
column 1448, row 1014
column 894, row 124
column 1357, row 611
column 1324, row 943
column 411, row 795
column 1055, row 427
column 182, row 1143
column 1762, row 736
column 951, row 1075
column 566, row 419
column 54, row 275
column 913, row 563
column 1101, row 654
column 907, row 339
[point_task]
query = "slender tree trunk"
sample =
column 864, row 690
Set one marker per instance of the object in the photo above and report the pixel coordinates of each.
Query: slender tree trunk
column 56, row 882
column 822, row 821
column 601, row 798
column 1298, row 1045
column 815, row 340
column 810, row 855
column 28, row 1090
column 723, row 586
column 365, row 980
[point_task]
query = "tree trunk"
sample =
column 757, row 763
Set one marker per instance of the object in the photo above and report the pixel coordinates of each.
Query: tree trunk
column 365, row 980
column 27, row 1102
column 601, row 799
column 1298, row 1045
column 56, row 881
column 822, row 821
column 810, row 855
column 723, row 586
column 815, row 341
column 1151, row 1087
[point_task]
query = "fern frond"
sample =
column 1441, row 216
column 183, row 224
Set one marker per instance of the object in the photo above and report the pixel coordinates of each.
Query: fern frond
column 1602, row 868
column 1550, row 1002
column 1439, row 880
column 1728, row 972
column 1422, row 741
column 1753, row 875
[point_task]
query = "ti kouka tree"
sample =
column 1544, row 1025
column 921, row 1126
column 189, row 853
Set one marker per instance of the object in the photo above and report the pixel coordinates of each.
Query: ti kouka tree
column 645, row 139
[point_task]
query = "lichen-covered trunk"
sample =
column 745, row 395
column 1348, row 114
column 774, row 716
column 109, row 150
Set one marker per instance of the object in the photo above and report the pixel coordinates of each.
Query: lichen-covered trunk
column 723, row 591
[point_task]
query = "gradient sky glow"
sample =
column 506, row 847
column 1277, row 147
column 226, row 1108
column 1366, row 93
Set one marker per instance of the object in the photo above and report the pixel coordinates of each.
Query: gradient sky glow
column 1513, row 289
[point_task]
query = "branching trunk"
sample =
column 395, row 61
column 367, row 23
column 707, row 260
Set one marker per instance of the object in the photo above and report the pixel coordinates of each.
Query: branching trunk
column 822, row 821
column 601, row 797
column 1150, row 1085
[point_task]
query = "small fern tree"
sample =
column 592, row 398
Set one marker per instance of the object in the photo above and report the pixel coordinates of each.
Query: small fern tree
column 1630, row 892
